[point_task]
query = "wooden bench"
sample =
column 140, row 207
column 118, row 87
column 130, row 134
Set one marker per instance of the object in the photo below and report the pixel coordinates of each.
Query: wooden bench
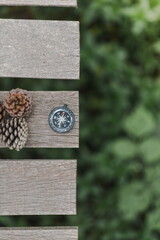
column 49, row 50
column 55, row 233
column 58, row 3
column 40, row 133
column 37, row 187
column 39, row 49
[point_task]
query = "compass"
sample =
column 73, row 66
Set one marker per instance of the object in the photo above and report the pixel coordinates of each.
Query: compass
column 61, row 119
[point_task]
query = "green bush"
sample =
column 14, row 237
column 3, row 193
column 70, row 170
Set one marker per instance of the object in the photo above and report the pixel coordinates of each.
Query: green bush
column 119, row 155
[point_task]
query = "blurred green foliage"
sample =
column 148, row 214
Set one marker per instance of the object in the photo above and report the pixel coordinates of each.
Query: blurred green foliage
column 119, row 155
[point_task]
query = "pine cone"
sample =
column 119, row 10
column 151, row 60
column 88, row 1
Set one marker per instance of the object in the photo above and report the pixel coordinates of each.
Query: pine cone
column 14, row 133
column 2, row 111
column 18, row 103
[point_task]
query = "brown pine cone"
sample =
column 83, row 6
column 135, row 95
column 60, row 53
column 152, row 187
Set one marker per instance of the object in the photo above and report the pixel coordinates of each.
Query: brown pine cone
column 18, row 103
column 14, row 133
column 2, row 111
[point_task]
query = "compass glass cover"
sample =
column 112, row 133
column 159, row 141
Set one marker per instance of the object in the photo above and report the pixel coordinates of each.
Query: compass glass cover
column 61, row 119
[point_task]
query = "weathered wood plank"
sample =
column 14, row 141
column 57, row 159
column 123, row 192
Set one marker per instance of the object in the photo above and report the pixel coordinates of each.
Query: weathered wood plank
column 40, row 133
column 54, row 233
column 39, row 49
column 37, row 187
column 57, row 3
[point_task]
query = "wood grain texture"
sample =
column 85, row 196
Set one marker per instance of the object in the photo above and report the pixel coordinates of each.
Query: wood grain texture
column 58, row 3
column 40, row 133
column 53, row 233
column 37, row 187
column 39, row 49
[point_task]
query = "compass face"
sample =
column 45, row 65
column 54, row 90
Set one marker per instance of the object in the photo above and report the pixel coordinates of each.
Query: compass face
column 61, row 119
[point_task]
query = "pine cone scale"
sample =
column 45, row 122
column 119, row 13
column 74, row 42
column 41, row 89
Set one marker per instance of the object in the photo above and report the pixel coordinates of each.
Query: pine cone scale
column 13, row 127
column 2, row 111
column 18, row 103
column 14, row 133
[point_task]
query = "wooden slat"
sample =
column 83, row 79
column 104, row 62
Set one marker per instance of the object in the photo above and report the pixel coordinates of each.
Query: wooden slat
column 40, row 133
column 37, row 187
column 55, row 233
column 58, row 3
column 39, row 49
